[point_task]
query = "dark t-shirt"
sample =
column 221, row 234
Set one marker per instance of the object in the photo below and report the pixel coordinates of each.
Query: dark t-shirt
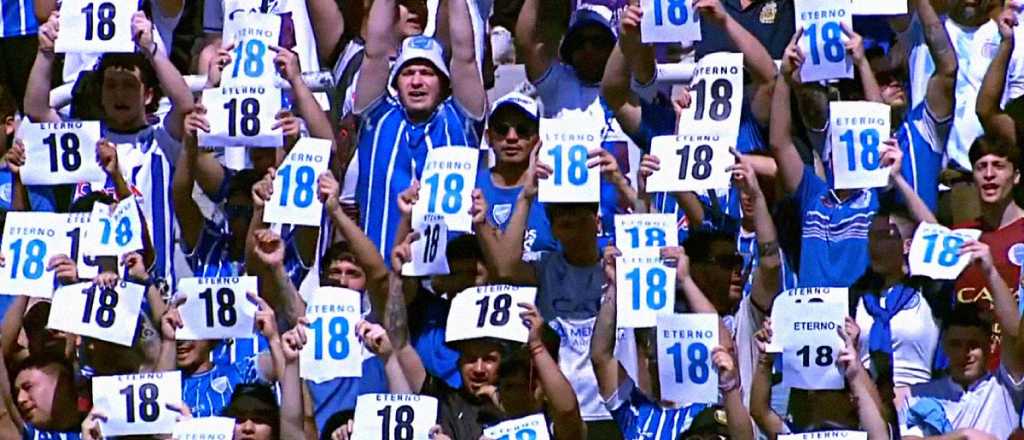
column 459, row 414
column 771, row 22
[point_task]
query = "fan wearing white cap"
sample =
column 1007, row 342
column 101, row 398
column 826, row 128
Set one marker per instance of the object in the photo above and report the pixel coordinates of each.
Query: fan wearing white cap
column 513, row 134
column 436, row 106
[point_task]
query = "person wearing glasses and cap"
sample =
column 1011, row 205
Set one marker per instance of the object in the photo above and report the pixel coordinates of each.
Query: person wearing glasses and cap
column 512, row 132
column 435, row 106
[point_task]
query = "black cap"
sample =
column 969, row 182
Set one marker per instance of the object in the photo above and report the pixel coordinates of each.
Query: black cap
column 711, row 420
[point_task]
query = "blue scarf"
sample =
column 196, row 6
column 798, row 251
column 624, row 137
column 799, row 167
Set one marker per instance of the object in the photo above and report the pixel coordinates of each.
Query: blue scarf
column 929, row 416
column 896, row 298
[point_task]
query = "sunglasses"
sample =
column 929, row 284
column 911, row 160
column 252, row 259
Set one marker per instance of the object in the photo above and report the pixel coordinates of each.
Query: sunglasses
column 523, row 129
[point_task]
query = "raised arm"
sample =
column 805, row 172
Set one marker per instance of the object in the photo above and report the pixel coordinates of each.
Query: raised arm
column 328, row 28
column 292, row 408
column 615, row 87
column 10, row 421
column 892, row 156
column 185, row 208
column 364, row 251
column 171, row 82
column 739, row 425
column 503, row 251
column 170, row 322
column 37, row 89
column 303, row 102
column 376, row 339
column 761, row 389
column 1004, row 304
column 267, row 261
column 562, row 403
column 538, row 32
column 766, row 279
column 861, row 385
column 758, row 62
column 609, row 372
column 380, row 43
column 396, row 321
column 855, row 50
column 10, row 328
column 940, row 86
column 695, row 298
column 992, row 117
column 467, row 84
column 791, row 166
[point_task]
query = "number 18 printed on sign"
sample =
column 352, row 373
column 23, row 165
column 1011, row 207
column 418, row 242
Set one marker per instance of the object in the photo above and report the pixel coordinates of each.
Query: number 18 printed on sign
column 567, row 143
column 60, row 153
column 136, row 404
column 858, row 130
column 394, row 417
column 823, row 38
column 685, row 369
column 525, row 428
column 935, row 251
column 96, row 26
column 645, row 288
column 103, row 313
column 669, row 21
column 242, row 116
column 332, row 349
column 31, row 239
column 496, row 312
column 252, row 61
column 295, row 200
column 691, row 163
column 216, row 308
column 449, row 176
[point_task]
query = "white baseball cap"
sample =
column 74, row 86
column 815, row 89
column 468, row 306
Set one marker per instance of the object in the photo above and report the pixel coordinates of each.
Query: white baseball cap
column 420, row 47
column 521, row 102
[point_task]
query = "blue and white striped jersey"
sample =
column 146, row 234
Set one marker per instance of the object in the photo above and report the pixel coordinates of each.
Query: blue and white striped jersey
column 923, row 139
column 640, row 418
column 392, row 151
column 211, row 256
column 33, row 433
column 19, row 18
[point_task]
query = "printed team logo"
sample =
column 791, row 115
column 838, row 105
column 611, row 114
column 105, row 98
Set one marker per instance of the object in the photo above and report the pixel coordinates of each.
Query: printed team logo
column 5, row 192
column 769, row 12
column 502, row 212
column 1016, row 254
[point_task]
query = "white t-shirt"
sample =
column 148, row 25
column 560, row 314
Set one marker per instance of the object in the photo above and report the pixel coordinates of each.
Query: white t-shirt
column 975, row 48
column 991, row 405
column 915, row 337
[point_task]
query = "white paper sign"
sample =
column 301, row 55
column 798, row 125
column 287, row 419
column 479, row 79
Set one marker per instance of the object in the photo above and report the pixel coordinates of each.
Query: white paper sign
column 394, row 416
column 935, row 251
column 114, row 233
column 685, row 369
column 489, row 312
column 691, row 163
column 203, row 428
column 857, row 132
column 332, row 348
column 30, row 240
column 216, row 308
column 879, row 7
column 532, row 427
column 716, row 98
column 446, row 186
column 822, row 41
column 96, row 26
column 645, row 231
column 136, row 404
column 811, row 344
column 567, row 143
column 793, row 298
column 840, row 435
column 252, row 61
column 644, row 288
column 242, row 116
column 77, row 229
column 428, row 253
column 295, row 200
column 669, row 21
column 88, row 310
column 58, row 153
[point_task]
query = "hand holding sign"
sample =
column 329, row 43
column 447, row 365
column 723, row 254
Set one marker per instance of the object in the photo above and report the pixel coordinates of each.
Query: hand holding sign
column 849, row 361
column 99, row 310
column 938, row 253
column 251, row 36
column 216, row 308
column 242, row 116
column 333, row 349
column 690, row 163
column 494, row 307
column 137, row 403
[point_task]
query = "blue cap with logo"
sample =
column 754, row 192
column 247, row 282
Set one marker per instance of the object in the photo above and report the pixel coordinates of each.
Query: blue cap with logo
column 585, row 15
column 420, row 47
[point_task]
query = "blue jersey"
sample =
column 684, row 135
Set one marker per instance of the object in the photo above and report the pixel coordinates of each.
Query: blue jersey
column 40, row 198
column 834, row 239
column 428, row 316
column 339, row 394
column 501, row 203
column 208, row 393
column 640, row 418
column 33, row 433
column 923, row 139
column 19, row 18
column 392, row 151
column 211, row 256
column 746, row 244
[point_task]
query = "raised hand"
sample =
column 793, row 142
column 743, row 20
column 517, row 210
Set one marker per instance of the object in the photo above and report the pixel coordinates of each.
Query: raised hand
column 264, row 189
column 375, row 338
column 408, row 198
column 792, row 59
column 142, row 32
column 136, row 267
column 64, row 268
column 269, row 248
column 15, row 157
column 328, row 191
column 265, row 320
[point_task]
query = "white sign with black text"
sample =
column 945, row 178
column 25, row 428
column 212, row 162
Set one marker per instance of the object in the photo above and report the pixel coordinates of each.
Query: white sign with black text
column 489, row 312
column 691, row 163
column 428, row 252
column 136, row 404
column 58, row 153
column 96, row 26
column 394, row 416
column 216, row 308
column 716, row 98
column 103, row 313
column 242, row 116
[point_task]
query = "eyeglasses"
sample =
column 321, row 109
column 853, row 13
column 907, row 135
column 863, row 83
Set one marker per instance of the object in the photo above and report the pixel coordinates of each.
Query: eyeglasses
column 524, row 129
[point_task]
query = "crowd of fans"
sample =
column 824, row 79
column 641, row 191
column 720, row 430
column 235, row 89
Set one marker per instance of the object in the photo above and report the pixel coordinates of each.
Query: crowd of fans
column 920, row 357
